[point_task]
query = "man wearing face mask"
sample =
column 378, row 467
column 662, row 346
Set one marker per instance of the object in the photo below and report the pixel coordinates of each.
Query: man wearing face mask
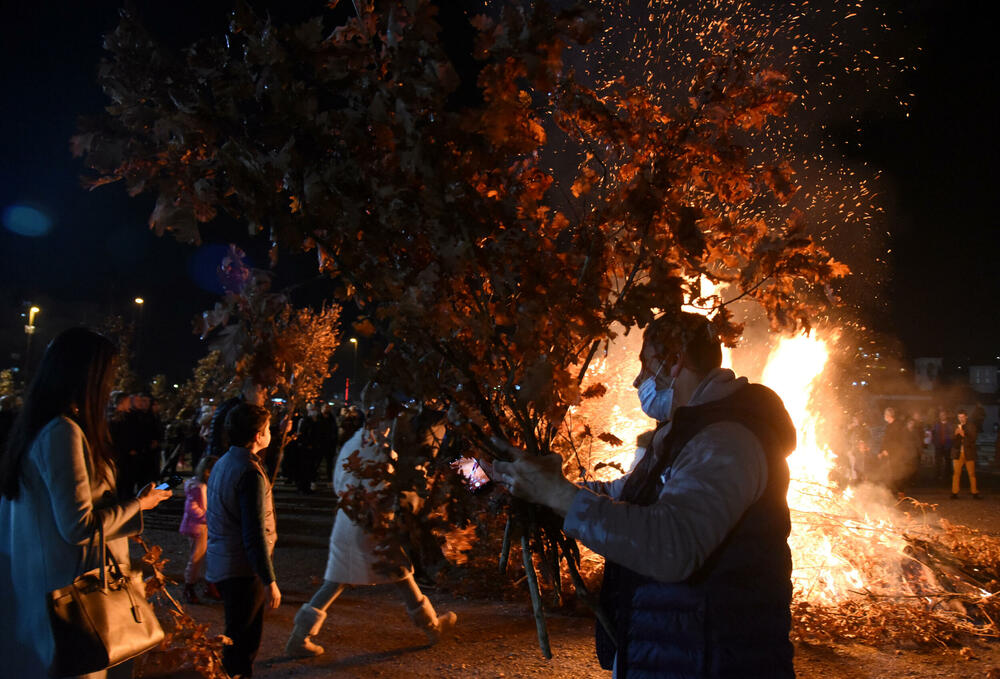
column 698, row 571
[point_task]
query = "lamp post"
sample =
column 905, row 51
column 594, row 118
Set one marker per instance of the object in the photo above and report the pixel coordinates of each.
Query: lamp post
column 140, row 303
column 29, row 332
column 354, row 370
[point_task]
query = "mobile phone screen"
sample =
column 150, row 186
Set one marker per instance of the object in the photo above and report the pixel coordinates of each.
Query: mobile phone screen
column 472, row 471
column 163, row 486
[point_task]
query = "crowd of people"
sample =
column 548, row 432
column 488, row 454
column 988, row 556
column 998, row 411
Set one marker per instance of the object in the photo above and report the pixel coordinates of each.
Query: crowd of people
column 940, row 445
column 697, row 578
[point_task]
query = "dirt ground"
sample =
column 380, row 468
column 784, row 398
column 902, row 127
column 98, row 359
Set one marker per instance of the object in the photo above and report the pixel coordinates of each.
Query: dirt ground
column 368, row 633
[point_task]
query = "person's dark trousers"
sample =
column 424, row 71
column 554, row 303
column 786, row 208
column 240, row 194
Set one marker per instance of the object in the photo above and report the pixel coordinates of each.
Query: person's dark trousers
column 243, row 600
column 942, row 463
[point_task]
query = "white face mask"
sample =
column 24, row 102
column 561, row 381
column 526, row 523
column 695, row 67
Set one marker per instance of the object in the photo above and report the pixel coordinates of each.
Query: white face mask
column 656, row 403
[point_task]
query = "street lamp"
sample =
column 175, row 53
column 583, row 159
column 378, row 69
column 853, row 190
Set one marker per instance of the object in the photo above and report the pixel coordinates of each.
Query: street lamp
column 139, row 302
column 354, row 371
column 29, row 331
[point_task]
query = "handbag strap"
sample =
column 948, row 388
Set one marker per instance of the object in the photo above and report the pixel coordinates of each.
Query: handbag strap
column 104, row 556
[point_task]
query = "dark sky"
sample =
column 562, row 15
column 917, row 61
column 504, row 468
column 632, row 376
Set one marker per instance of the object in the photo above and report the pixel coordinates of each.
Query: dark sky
column 939, row 169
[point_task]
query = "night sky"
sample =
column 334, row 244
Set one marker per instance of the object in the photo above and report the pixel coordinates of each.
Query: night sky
column 938, row 175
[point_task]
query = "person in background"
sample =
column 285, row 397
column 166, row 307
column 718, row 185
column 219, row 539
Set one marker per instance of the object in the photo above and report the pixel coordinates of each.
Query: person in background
column 57, row 480
column 193, row 526
column 895, row 452
column 941, row 438
column 146, row 435
column 963, row 454
column 122, row 441
column 325, row 440
column 241, row 535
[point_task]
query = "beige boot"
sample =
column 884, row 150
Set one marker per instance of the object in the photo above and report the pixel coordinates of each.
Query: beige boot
column 425, row 618
column 308, row 621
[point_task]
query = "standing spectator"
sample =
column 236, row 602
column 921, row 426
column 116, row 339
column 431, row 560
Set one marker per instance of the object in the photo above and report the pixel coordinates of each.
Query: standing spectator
column 57, row 487
column 325, row 441
column 941, row 439
column 123, row 442
column 895, row 452
column 193, row 526
column 306, row 452
column 963, row 454
column 177, row 437
column 145, row 432
column 241, row 535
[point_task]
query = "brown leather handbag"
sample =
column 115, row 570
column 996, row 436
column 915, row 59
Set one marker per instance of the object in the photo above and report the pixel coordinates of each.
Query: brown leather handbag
column 100, row 620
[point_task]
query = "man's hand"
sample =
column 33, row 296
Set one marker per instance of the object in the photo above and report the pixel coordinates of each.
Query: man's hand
column 534, row 478
column 273, row 595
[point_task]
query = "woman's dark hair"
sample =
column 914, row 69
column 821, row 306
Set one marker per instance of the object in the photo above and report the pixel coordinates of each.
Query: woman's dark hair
column 73, row 379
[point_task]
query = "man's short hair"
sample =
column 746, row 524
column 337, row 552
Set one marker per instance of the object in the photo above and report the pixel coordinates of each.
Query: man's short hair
column 244, row 422
column 961, row 411
column 687, row 333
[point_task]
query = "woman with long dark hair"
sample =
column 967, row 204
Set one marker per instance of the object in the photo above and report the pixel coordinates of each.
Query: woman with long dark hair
column 57, row 485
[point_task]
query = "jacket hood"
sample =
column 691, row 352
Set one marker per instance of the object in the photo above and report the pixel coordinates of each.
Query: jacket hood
column 760, row 404
column 719, row 383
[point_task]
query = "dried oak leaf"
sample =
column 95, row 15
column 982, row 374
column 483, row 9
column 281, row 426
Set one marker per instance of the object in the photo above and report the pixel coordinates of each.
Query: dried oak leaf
column 594, row 391
column 610, row 439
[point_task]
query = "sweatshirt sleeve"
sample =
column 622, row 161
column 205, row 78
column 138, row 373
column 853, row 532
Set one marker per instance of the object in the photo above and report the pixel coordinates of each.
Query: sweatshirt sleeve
column 60, row 456
column 252, row 493
column 715, row 479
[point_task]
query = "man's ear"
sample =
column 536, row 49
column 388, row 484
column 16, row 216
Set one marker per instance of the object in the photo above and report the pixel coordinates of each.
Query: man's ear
column 677, row 363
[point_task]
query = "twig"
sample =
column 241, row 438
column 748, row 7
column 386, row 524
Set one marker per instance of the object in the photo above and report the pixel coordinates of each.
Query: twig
column 505, row 547
column 536, row 599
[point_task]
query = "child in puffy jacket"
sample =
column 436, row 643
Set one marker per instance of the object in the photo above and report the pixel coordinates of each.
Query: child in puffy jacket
column 193, row 526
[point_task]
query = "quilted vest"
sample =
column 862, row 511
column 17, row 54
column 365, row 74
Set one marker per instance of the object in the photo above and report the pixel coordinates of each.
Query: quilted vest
column 226, row 557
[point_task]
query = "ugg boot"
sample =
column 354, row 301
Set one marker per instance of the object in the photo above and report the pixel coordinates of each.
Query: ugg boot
column 425, row 618
column 308, row 621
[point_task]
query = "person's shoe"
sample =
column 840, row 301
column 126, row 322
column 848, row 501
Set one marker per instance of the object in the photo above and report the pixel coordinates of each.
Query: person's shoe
column 212, row 592
column 307, row 623
column 190, row 596
column 975, row 496
column 954, row 496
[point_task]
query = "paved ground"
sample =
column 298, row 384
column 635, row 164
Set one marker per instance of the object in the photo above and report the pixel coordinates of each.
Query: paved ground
column 369, row 635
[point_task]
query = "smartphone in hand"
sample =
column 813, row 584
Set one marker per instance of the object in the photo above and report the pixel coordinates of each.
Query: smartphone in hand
column 474, row 472
column 170, row 483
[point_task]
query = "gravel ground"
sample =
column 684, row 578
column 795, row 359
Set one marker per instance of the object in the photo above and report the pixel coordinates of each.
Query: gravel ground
column 369, row 635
